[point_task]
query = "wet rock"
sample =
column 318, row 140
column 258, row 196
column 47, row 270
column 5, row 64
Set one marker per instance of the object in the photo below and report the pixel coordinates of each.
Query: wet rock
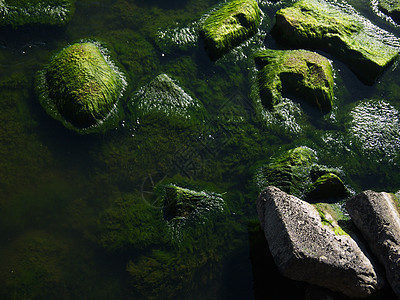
column 46, row 12
column 181, row 203
column 80, row 85
column 348, row 36
column 390, row 8
column 164, row 97
column 304, row 249
column 300, row 73
column 377, row 217
column 327, row 186
column 289, row 171
column 229, row 26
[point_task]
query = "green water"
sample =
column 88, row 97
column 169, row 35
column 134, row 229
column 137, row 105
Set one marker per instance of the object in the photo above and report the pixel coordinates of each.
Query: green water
column 78, row 214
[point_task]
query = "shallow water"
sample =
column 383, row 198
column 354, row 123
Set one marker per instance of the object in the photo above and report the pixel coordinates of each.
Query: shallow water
column 59, row 190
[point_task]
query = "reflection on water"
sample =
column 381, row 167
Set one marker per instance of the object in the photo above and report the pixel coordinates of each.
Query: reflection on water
column 79, row 216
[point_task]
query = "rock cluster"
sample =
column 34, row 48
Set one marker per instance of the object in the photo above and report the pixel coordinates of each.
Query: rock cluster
column 307, row 244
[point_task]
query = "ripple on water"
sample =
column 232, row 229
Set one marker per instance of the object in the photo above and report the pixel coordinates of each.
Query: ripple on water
column 375, row 127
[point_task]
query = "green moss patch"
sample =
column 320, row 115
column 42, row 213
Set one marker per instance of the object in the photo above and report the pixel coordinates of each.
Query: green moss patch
column 327, row 186
column 330, row 215
column 289, row 171
column 301, row 73
column 350, row 37
column 229, row 26
column 80, row 86
column 46, row 12
column 163, row 97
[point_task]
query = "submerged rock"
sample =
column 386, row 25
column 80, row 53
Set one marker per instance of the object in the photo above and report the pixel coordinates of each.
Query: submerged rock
column 391, row 8
column 317, row 24
column 301, row 73
column 305, row 249
column 181, row 204
column 164, row 97
column 80, row 85
column 229, row 26
column 46, row 12
column 377, row 217
column 289, row 171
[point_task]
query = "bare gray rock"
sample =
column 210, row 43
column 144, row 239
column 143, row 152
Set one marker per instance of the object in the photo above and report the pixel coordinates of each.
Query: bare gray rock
column 306, row 250
column 377, row 217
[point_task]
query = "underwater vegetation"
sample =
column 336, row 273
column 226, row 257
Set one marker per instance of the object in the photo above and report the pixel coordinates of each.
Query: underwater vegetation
column 316, row 24
column 80, row 86
column 302, row 73
column 230, row 25
column 391, row 8
column 47, row 12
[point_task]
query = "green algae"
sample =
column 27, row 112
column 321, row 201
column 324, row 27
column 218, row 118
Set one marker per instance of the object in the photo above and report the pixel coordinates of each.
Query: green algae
column 390, row 8
column 327, row 186
column 80, row 86
column 230, row 25
column 46, row 12
column 164, row 97
column 317, row 24
column 301, row 73
column 288, row 171
column 331, row 215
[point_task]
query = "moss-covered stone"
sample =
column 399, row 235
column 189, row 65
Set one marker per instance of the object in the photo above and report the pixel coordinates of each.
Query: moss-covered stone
column 289, row 171
column 164, row 97
column 48, row 12
column 230, row 25
column 181, row 203
column 327, row 186
column 391, row 8
column 300, row 73
column 350, row 37
column 80, row 85
column 331, row 215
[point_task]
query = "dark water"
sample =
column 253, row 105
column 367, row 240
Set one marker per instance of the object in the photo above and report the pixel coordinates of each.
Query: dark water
column 78, row 213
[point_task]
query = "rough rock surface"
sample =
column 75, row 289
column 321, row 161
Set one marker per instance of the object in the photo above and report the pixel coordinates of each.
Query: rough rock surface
column 46, row 12
column 305, row 250
column 229, row 26
column 377, row 217
column 391, row 8
column 301, row 73
column 315, row 24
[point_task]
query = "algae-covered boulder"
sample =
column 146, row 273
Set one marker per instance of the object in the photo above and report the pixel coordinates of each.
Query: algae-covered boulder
column 47, row 12
column 327, row 186
column 181, row 204
column 391, row 8
column 346, row 35
column 80, row 85
column 164, row 97
column 289, row 171
column 300, row 73
column 229, row 26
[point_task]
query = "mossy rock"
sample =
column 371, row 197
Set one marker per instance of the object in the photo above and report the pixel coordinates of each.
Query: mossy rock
column 300, row 73
column 315, row 24
column 163, row 97
column 327, row 186
column 229, row 26
column 390, row 8
column 80, row 86
column 289, row 171
column 45, row 12
column 181, row 204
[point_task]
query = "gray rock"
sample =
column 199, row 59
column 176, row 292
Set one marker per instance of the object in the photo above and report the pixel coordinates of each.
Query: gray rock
column 377, row 217
column 306, row 250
